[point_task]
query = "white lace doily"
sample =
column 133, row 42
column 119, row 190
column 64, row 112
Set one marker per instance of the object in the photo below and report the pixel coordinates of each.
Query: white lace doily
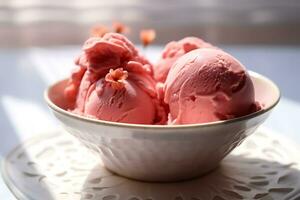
column 56, row 166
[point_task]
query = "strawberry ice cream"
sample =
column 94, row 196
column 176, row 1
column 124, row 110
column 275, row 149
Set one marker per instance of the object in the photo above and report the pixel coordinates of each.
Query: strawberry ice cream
column 175, row 50
column 114, row 82
column 194, row 82
column 207, row 85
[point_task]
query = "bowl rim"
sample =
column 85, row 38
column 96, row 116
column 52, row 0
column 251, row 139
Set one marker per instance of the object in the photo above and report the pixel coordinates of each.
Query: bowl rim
column 166, row 127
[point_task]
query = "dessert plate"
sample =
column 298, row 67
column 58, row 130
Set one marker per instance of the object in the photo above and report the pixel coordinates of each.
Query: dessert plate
column 56, row 166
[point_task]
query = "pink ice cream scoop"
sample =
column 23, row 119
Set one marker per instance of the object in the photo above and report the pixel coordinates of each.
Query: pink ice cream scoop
column 175, row 50
column 207, row 85
column 114, row 82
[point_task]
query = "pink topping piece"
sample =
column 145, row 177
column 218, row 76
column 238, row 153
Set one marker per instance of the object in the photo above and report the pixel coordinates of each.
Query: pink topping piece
column 120, row 27
column 98, row 31
column 116, row 78
column 147, row 36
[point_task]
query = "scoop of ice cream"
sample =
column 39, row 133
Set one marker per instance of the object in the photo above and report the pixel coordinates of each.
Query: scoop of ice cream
column 109, row 52
column 114, row 82
column 173, row 51
column 118, row 98
column 207, row 85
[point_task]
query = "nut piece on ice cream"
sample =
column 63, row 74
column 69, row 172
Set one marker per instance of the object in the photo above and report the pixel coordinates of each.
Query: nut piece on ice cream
column 114, row 82
column 207, row 85
column 175, row 50
column 116, row 78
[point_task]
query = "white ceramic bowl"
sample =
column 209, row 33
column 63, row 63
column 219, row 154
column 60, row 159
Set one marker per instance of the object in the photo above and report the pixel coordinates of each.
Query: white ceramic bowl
column 161, row 152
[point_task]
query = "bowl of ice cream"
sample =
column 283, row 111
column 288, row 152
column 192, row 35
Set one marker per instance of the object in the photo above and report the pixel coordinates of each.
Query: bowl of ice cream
column 150, row 130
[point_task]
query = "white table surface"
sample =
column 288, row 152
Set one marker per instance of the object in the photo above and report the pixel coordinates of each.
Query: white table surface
column 25, row 73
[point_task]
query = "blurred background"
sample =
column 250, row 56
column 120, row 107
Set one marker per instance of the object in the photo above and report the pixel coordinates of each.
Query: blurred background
column 39, row 40
column 55, row 22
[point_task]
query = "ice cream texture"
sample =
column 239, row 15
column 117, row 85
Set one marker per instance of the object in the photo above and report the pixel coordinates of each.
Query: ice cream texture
column 175, row 50
column 114, row 82
column 207, row 85
column 193, row 82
